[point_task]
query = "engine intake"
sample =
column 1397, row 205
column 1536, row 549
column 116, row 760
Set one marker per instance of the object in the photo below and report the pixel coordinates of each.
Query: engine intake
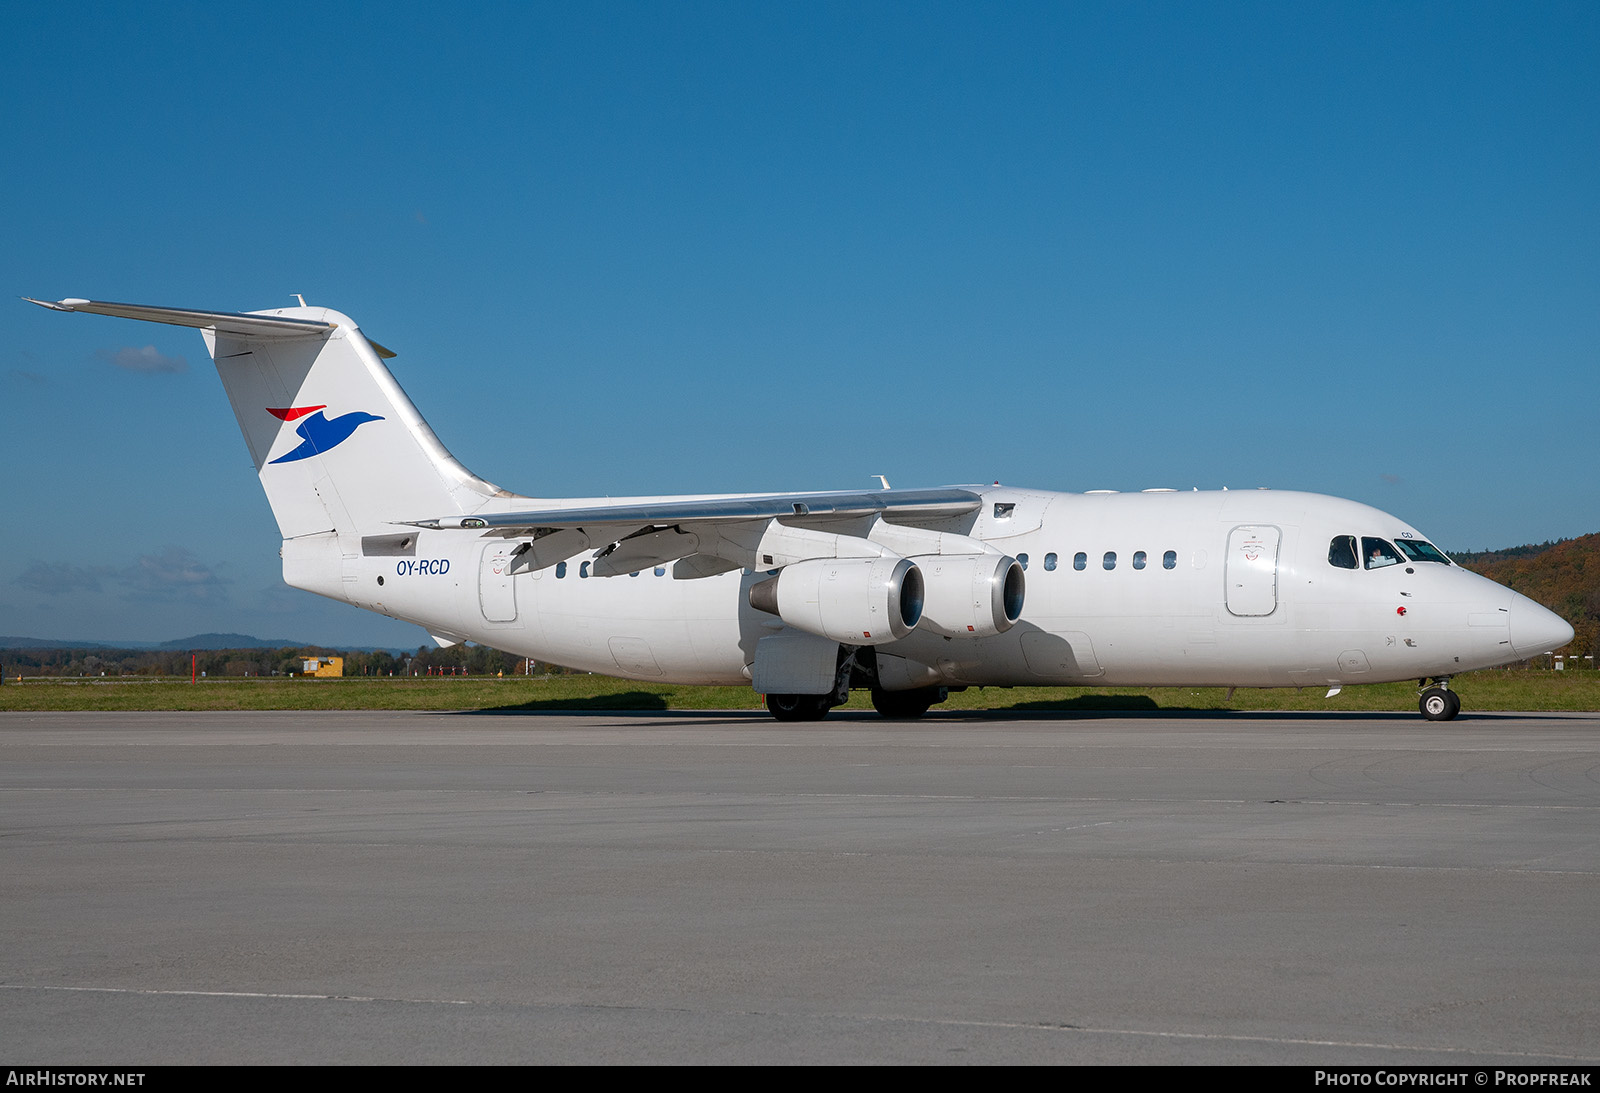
column 971, row 596
column 856, row 601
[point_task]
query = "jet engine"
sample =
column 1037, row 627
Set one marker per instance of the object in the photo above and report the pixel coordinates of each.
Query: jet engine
column 971, row 595
column 856, row 601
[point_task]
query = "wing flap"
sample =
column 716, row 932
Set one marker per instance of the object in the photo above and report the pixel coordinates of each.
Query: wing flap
column 696, row 566
column 644, row 550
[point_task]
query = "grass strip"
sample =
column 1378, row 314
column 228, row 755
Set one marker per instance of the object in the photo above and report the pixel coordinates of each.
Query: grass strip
column 1522, row 689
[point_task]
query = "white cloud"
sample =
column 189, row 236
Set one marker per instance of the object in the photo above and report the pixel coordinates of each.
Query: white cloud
column 174, row 575
column 62, row 578
column 148, row 360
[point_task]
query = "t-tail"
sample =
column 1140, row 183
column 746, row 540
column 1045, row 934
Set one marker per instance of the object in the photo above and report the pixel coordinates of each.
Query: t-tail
column 341, row 451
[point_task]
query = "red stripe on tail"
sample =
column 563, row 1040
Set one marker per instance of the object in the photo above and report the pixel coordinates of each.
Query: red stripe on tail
column 289, row 413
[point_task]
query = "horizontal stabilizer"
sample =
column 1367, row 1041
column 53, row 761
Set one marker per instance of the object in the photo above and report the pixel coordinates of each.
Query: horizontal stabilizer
column 223, row 322
column 337, row 444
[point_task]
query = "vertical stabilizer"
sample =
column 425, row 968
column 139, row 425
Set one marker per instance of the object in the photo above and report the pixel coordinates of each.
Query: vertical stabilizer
column 340, row 449
column 336, row 442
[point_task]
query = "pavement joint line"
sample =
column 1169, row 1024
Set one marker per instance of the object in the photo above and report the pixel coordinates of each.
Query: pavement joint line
column 670, row 797
column 1026, row 1026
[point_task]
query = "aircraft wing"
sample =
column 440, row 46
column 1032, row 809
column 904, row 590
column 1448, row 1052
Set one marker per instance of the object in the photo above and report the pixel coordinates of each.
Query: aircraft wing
column 705, row 536
column 911, row 504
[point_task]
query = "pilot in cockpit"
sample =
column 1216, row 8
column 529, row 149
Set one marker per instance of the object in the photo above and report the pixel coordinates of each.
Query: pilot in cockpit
column 1380, row 554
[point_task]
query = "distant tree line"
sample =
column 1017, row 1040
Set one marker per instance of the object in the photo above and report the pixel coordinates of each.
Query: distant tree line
column 1474, row 558
column 1563, row 575
column 472, row 660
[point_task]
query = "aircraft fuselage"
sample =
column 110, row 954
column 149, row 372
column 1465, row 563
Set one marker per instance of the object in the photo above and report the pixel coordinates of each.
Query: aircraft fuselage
column 805, row 595
column 1161, row 588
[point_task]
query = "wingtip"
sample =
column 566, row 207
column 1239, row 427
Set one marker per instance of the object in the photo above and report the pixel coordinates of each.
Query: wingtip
column 70, row 304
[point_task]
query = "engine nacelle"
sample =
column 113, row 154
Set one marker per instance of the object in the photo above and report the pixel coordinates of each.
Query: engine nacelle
column 856, row 601
column 971, row 595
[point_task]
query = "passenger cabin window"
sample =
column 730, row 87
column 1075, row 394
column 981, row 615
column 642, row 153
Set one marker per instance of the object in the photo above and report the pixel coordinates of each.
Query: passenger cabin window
column 1110, row 560
column 1023, row 559
column 583, row 570
column 661, row 571
column 561, row 570
column 1342, row 552
column 1169, row 560
column 1080, row 560
column 1378, row 552
column 1138, row 559
column 1004, row 509
column 1419, row 550
column 1050, row 562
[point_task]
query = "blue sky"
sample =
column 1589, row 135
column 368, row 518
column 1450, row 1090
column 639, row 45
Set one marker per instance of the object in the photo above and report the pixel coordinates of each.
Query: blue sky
column 669, row 248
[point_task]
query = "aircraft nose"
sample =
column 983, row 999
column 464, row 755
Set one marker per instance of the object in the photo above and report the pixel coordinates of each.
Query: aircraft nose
column 1534, row 629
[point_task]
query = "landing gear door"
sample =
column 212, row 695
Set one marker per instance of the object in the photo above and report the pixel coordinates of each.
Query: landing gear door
column 1252, row 570
column 794, row 662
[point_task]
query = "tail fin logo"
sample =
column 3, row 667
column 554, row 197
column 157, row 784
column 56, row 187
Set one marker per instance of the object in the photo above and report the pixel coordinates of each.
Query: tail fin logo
column 318, row 433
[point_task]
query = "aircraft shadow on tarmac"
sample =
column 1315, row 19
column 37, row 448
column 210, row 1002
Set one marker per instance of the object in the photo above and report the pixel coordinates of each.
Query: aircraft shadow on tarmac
column 627, row 701
column 1124, row 703
column 1099, row 707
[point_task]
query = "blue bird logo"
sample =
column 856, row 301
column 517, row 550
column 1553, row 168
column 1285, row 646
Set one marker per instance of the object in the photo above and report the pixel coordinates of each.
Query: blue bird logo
column 318, row 433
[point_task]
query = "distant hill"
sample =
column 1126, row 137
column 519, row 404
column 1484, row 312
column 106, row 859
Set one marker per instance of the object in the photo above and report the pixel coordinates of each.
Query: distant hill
column 227, row 641
column 198, row 641
column 1564, row 576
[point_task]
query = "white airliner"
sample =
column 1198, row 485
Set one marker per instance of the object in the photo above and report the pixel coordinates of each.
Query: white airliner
column 909, row 593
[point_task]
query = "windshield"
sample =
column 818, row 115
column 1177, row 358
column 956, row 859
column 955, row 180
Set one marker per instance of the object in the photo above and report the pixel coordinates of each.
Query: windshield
column 1419, row 550
column 1378, row 552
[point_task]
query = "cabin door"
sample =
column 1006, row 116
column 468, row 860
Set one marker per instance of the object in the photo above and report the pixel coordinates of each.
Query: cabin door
column 1251, row 571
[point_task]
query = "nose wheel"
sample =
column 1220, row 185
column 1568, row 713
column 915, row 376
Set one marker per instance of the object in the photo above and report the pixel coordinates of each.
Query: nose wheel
column 1438, row 702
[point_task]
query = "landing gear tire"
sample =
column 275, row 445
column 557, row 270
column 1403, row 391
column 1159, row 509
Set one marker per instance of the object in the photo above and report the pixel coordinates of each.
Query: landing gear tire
column 798, row 707
column 1439, row 704
column 905, row 705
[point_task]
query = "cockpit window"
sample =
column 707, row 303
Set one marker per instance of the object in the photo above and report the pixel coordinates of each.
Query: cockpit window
column 1378, row 552
column 1419, row 550
column 1342, row 552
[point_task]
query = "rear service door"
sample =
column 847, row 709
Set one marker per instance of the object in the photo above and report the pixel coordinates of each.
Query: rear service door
column 497, row 594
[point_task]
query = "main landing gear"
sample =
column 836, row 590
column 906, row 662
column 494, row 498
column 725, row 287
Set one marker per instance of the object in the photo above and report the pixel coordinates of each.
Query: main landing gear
column 857, row 667
column 906, row 705
column 1437, row 701
column 799, row 707
column 785, row 707
column 895, row 705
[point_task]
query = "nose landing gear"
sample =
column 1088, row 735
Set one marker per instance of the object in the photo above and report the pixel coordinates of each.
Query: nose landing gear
column 1437, row 701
